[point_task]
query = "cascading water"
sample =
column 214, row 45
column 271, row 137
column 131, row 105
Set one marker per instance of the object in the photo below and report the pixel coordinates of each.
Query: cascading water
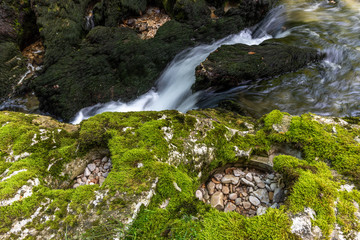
column 329, row 88
column 174, row 85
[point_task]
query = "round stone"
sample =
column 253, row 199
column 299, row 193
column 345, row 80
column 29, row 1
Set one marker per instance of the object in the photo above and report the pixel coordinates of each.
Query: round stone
column 232, row 196
column 254, row 201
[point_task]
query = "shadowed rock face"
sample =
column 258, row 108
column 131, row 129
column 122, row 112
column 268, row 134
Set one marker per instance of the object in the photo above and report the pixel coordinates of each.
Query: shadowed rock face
column 230, row 66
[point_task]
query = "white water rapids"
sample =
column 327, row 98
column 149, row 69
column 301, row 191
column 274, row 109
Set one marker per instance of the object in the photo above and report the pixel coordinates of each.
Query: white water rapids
column 174, row 85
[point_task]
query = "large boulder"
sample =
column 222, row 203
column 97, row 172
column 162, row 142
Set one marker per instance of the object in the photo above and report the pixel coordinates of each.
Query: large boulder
column 232, row 65
column 159, row 159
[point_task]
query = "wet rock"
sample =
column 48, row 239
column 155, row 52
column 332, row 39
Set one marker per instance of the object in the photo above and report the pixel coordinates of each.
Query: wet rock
column 278, row 195
column 217, row 200
column 250, row 63
column 230, row 179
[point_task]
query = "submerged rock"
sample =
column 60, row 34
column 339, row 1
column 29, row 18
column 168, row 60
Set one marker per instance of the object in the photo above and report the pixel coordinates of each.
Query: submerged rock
column 232, row 65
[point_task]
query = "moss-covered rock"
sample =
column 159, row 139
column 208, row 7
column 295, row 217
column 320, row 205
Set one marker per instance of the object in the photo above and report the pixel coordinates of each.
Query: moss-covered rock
column 157, row 154
column 232, row 65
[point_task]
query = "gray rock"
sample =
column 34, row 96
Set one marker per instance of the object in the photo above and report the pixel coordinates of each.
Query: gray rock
column 104, row 160
column 278, row 195
column 250, row 190
column 211, row 187
column 225, row 190
column 84, row 179
column 249, row 176
column 230, row 179
column 91, row 167
column 260, row 184
column 205, row 193
column 262, row 195
column 217, row 200
column 257, row 179
column 238, row 173
column 268, row 181
column 261, row 210
column 268, row 188
column 219, row 186
column 87, row 172
column 275, row 205
column 247, row 182
column 199, row 195
column 238, row 201
column 271, row 176
column 218, row 176
column 76, row 185
column 246, row 205
column 252, row 212
column 105, row 174
column 273, row 186
column 96, row 170
column 232, row 196
column 229, row 207
column 254, row 201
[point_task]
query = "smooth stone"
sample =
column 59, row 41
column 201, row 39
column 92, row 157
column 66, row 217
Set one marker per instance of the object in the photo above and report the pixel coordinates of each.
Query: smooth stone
column 271, row 196
column 230, row 179
column 232, row 196
column 84, row 179
column 104, row 160
column 261, row 210
column 105, row 174
column 199, row 195
column 87, row 172
column 262, row 195
column 252, row 212
column 268, row 188
column 218, row 176
column 206, row 194
column 238, row 173
column 219, row 186
column 260, row 184
column 257, row 179
column 246, row 205
column 273, row 186
column 211, row 188
column 238, row 201
column 254, row 201
column 229, row 207
column 76, row 185
column 271, row 176
column 225, row 190
column 247, row 182
column 217, row 200
column 91, row 167
column 275, row 205
column 268, row 181
column 79, row 181
column 249, row 176
column 278, row 195
column 250, row 190
column 101, row 180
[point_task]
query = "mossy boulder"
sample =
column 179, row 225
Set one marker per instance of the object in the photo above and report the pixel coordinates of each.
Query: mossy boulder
column 154, row 154
column 232, row 65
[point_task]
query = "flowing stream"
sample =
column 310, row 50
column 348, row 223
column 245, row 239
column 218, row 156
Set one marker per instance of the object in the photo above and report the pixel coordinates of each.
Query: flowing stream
column 331, row 87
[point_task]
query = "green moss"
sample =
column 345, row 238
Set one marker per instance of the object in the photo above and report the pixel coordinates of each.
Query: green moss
column 346, row 209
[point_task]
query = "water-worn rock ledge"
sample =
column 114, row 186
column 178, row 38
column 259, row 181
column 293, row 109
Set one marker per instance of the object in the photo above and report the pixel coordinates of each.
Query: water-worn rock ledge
column 159, row 160
column 231, row 66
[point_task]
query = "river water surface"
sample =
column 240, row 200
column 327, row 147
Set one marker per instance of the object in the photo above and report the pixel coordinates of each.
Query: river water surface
column 331, row 87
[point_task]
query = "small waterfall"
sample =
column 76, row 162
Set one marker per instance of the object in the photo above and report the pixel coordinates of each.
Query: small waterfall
column 174, row 85
column 90, row 24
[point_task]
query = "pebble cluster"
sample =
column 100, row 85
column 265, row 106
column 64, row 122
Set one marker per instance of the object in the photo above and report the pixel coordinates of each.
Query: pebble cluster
column 147, row 24
column 95, row 173
column 248, row 192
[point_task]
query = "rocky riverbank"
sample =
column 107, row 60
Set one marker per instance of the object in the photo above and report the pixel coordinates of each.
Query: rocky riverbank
column 159, row 160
